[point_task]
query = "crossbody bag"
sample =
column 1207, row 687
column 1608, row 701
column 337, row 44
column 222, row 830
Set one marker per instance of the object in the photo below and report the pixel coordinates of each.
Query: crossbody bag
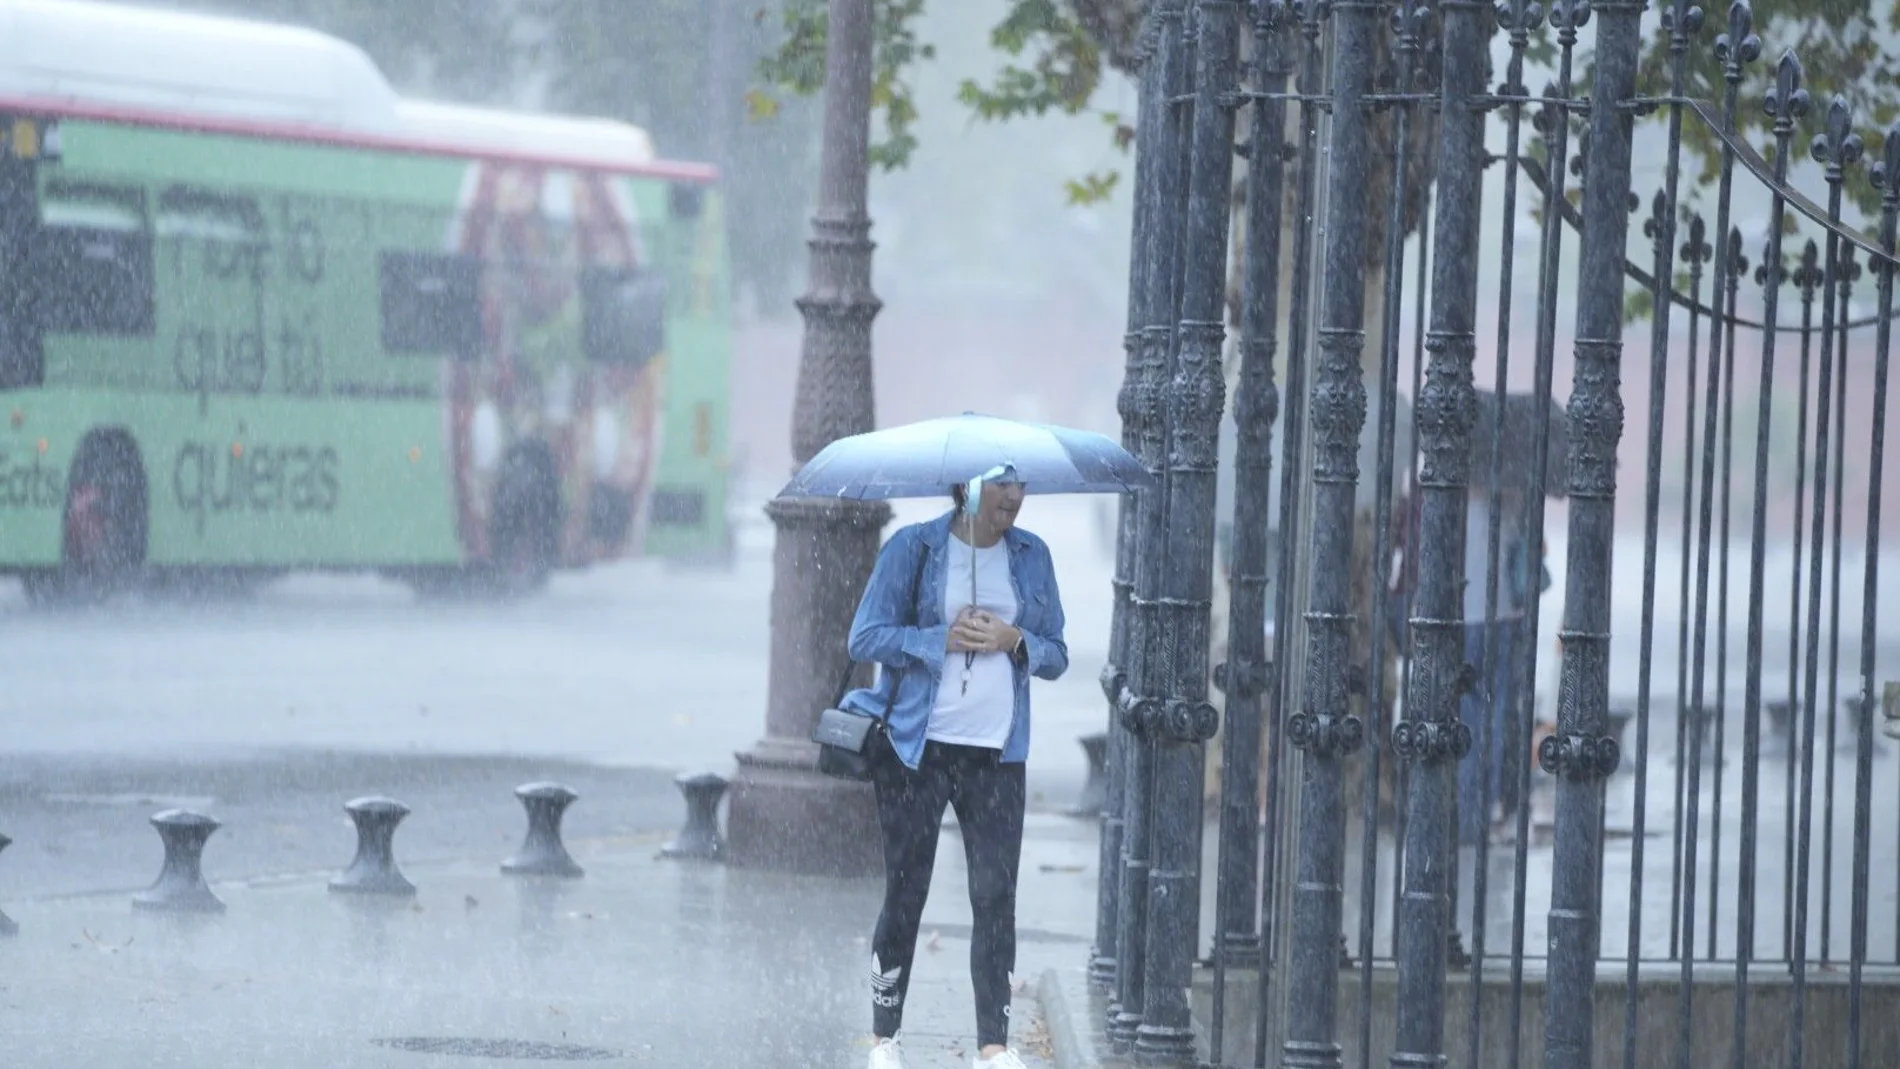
column 848, row 740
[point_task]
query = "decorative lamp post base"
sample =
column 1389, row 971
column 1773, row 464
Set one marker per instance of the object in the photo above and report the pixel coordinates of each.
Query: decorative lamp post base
column 782, row 813
column 786, row 816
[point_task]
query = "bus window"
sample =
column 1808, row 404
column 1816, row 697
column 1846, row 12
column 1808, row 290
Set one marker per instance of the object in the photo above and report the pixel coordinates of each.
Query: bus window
column 431, row 304
column 623, row 315
column 686, row 200
column 92, row 261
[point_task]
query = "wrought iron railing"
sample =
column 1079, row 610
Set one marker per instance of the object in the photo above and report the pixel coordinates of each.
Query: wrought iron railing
column 1714, row 841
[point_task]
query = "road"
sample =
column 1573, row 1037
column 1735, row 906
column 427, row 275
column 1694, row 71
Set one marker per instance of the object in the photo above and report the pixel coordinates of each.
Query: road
column 272, row 711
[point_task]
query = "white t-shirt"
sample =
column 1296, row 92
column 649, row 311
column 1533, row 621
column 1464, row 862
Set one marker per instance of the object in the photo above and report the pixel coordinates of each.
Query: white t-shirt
column 982, row 714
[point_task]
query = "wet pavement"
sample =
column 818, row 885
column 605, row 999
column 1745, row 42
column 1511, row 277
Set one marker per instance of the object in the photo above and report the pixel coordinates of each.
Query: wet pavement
column 80, row 821
column 270, row 711
column 646, row 960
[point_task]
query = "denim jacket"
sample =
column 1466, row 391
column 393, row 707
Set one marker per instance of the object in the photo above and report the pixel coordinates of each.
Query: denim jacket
column 887, row 633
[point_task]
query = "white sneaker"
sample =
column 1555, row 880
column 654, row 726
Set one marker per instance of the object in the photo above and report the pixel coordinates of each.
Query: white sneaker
column 1005, row 1060
column 887, row 1055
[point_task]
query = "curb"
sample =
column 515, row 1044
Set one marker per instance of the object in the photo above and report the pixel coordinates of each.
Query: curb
column 1065, row 1008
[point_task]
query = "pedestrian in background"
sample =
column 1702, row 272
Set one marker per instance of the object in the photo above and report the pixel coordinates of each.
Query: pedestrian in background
column 1494, row 696
column 959, row 613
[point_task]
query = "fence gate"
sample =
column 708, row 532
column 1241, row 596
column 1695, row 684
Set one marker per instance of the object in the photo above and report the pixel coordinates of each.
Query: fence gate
column 1557, row 739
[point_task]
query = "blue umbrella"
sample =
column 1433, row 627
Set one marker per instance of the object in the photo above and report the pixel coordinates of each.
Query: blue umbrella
column 925, row 459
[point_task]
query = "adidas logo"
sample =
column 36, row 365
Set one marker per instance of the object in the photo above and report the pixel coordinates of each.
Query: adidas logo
column 884, row 991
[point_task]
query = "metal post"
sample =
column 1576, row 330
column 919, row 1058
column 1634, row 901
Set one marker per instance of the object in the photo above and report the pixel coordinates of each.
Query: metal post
column 1837, row 148
column 783, row 814
column 1244, row 679
column 1886, row 178
column 1735, row 49
column 1324, row 728
column 1161, row 117
column 1102, row 963
column 1182, row 724
column 1282, row 806
column 1580, row 754
column 1787, row 103
column 1432, row 738
column 1683, row 21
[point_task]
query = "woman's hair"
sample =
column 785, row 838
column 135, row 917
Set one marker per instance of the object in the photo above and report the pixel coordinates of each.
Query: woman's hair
column 960, row 494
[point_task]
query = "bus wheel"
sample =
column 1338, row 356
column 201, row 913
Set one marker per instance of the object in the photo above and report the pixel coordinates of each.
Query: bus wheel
column 524, row 540
column 103, row 535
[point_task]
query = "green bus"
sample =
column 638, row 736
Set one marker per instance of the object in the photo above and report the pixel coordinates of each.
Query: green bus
column 259, row 314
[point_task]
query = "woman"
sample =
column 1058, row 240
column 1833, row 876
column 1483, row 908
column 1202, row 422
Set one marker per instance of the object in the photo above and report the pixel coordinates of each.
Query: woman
column 960, row 611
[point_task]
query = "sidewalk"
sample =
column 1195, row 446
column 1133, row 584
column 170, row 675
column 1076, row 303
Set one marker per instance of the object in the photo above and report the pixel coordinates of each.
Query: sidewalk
column 642, row 961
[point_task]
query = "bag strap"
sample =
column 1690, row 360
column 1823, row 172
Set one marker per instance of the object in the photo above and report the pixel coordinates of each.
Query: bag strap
column 916, row 591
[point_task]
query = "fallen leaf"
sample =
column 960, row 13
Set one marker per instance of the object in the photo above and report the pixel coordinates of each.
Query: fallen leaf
column 469, row 901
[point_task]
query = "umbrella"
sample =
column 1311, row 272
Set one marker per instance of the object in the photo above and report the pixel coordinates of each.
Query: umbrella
column 1520, row 424
column 925, row 459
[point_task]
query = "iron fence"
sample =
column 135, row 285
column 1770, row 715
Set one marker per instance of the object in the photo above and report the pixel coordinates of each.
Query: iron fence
column 1676, row 860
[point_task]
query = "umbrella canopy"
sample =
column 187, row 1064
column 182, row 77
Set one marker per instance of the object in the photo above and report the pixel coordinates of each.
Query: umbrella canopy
column 925, row 459
column 1520, row 426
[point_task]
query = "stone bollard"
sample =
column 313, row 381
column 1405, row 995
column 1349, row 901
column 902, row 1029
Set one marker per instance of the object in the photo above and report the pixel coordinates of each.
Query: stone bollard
column 374, row 872
column 181, row 886
column 699, row 840
column 7, row 927
column 541, row 853
column 1094, row 789
column 1847, row 735
column 1706, row 716
column 1781, row 721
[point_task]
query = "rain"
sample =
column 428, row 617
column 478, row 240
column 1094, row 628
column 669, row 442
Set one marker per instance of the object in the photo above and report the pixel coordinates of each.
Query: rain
column 497, row 498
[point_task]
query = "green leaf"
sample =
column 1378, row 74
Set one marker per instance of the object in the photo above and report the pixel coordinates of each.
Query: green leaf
column 760, row 105
column 1063, row 72
column 1638, row 304
column 798, row 66
column 1092, row 188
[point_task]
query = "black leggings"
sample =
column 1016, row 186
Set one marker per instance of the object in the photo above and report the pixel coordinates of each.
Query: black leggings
column 988, row 797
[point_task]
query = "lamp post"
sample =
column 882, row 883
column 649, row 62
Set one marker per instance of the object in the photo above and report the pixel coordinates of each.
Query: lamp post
column 784, row 814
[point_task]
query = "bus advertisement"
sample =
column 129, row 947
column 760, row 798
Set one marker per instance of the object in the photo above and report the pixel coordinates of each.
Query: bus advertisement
column 267, row 316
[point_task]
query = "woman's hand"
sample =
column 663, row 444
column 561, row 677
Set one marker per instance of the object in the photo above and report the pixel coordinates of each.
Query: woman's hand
column 987, row 633
column 965, row 634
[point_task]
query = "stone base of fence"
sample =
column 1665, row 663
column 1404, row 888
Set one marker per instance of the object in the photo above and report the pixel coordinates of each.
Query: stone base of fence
column 1712, row 1002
